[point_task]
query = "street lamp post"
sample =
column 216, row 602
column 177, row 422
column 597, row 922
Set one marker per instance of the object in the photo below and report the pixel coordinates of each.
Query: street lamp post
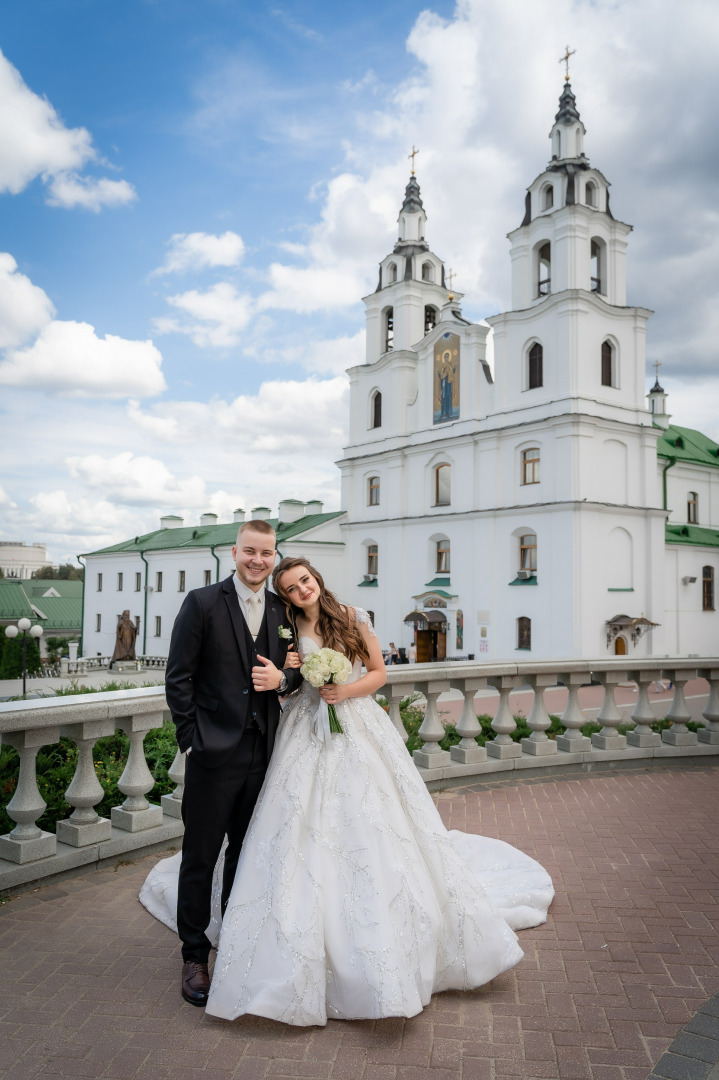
column 23, row 627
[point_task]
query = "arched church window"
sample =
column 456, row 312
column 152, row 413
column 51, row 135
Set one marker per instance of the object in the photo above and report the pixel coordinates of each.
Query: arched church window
column 442, row 485
column 548, row 197
column 389, row 329
column 536, row 364
column 544, row 270
column 524, row 632
column 372, row 559
column 607, row 364
column 430, row 318
column 377, row 409
column 590, row 194
column 443, row 550
column 427, row 272
column 391, row 273
column 559, row 144
column 692, row 508
column 596, row 271
column 373, row 491
column 707, row 588
column 528, row 553
column 530, row 465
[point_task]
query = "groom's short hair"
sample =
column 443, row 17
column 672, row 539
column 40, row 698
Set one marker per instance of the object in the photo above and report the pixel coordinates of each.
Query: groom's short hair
column 259, row 525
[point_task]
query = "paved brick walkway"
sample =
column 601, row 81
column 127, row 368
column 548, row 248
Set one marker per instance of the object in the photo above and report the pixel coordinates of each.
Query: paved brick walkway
column 629, row 954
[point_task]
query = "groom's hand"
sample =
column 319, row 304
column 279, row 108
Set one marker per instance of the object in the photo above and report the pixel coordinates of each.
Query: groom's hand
column 266, row 676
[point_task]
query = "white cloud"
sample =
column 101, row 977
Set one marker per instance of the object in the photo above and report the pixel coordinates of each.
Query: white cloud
column 69, row 190
column 136, row 481
column 329, row 356
column 36, row 143
column 24, row 308
column 216, row 316
column 69, row 357
column 5, row 499
column 196, row 251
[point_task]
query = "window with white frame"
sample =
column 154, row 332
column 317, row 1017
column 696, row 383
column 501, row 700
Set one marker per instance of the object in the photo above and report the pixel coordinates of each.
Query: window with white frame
column 692, row 508
column 372, row 559
column 158, row 626
column 528, row 552
column 443, row 553
column 138, row 582
column 373, row 491
column 376, row 409
column 158, row 581
column 443, row 485
column 120, row 577
column 535, row 367
column 530, row 465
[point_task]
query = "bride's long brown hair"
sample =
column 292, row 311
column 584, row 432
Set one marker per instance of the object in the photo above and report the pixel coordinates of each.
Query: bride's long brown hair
column 334, row 625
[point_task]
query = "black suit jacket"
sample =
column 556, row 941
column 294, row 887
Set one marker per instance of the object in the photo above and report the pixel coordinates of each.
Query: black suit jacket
column 207, row 682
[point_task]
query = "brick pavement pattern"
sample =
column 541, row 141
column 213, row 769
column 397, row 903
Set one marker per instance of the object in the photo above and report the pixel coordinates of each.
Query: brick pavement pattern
column 629, row 954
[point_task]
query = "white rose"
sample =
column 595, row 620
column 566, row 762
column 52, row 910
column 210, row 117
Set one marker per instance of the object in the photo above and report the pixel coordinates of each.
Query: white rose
column 314, row 678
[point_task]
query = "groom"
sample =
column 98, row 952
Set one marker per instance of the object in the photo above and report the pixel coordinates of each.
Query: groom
column 224, row 674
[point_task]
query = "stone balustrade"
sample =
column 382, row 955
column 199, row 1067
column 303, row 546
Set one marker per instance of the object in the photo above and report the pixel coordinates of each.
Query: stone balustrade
column 27, row 853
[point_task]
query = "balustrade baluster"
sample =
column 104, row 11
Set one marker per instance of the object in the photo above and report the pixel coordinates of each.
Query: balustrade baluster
column 395, row 693
column 710, row 733
column 431, row 755
column 468, row 751
column 503, row 746
column 573, row 742
column 172, row 803
column 679, row 734
column 85, row 826
column 643, row 714
column 27, row 842
column 539, row 720
column 136, row 813
column 609, row 715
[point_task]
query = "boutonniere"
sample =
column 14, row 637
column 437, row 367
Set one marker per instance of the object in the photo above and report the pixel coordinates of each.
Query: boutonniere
column 284, row 633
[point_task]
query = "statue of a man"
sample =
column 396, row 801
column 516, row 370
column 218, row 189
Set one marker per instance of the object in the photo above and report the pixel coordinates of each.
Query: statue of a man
column 125, row 639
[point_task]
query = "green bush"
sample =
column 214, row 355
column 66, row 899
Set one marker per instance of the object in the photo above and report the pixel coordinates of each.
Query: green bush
column 11, row 659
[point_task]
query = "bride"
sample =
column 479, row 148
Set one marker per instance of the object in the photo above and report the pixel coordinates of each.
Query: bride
column 351, row 899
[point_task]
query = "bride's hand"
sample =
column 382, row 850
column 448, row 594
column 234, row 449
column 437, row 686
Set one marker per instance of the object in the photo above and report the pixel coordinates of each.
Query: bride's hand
column 333, row 694
column 292, row 659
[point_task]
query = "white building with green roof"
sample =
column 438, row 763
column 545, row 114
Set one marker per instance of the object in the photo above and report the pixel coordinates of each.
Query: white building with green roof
column 149, row 575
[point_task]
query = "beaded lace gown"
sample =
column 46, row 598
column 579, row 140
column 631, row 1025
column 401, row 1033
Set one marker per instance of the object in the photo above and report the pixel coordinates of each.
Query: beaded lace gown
column 351, row 899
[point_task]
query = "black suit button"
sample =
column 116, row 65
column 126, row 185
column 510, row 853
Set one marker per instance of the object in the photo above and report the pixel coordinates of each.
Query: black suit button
column 245, row 690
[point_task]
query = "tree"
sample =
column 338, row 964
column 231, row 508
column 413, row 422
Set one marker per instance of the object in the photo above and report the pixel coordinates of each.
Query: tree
column 56, row 647
column 11, row 660
column 64, row 572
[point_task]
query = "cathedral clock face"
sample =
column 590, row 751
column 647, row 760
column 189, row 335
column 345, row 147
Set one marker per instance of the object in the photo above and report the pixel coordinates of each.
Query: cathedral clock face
column 445, row 396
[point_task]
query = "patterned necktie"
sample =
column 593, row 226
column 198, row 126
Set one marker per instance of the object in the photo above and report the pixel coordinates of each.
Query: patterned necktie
column 254, row 614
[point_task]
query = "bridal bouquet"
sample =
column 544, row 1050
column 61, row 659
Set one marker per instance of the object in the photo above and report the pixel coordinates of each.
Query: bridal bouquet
column 322, row 667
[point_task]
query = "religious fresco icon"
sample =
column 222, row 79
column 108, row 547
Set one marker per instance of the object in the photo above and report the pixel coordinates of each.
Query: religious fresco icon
column 460, row 630
column 445, row 404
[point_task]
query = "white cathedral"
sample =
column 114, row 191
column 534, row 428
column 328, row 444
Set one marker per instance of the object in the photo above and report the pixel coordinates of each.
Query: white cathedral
column 546, row 507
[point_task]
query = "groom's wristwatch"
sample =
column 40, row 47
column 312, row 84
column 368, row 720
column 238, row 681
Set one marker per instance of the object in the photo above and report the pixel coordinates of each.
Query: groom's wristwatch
column 283, row 684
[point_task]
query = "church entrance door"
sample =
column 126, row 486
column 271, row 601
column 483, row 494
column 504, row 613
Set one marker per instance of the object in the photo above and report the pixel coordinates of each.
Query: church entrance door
column 431, row 645
column 620, row 647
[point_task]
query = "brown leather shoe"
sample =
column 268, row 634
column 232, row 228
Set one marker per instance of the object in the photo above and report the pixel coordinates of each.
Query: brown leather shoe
column 195, row 983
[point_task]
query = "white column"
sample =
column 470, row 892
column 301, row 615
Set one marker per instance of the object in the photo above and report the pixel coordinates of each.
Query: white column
column 539, row 720
column 710, row 734
column 172, row 803
column 395, row 693
column 573, row 742
column 679, row 734
column 431, row 756
column 85, row 826
column 503, row 746
column 27, row 842
column 609, row 715
column 643, row 714
column 136, row 813
column 467, row 751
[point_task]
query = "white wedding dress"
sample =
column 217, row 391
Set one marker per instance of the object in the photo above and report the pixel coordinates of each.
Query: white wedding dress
column 351, row 899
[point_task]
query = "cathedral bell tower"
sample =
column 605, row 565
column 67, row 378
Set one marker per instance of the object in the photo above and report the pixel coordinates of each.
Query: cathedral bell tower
column 411, row 290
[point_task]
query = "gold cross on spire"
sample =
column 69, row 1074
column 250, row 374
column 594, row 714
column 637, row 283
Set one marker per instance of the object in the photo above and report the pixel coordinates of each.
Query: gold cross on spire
column 565, row 60
column 451, row 275
column 413, row 155
column 657, row 365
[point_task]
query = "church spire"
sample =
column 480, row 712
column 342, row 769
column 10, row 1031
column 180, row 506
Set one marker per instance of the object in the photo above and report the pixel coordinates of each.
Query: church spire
column 412, row 199
column 412, row 217
column 568, row 131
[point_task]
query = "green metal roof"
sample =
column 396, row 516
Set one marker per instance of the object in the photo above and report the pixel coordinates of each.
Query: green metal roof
column 19, row 599
column 36, row 587
column 14, row 604
column 691, row 534
column 205, row 536
column 438, row 581
column 685, row 444
column 61, row 612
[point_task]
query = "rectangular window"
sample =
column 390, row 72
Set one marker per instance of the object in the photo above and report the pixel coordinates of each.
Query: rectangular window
column 692, row 508
column 181, row 581
column 373, row 488
column 708, row 588
column 158, row 581
column 443, row 556
column 99, row 582
column 372, row 558
column 528, row 552
column 524, row 633
column 138, row 582
column 443, row 485
column 530, row 466
column 208, row 577
column 158, row 626
column 98, row 623
column 119, row 582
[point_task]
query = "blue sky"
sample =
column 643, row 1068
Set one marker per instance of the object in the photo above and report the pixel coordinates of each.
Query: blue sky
column 195, row 195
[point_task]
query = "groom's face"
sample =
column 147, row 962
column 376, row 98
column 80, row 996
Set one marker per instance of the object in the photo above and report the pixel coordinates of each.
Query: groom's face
column 254, row 556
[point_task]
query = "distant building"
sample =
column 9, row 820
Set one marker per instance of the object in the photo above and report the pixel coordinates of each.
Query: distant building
column 20, row 561
column 54, row 605
column 150, row 575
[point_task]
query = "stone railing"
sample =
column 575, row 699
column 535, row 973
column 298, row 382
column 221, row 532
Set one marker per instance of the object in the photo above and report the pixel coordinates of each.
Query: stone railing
column 28, row 853
column 86, row 664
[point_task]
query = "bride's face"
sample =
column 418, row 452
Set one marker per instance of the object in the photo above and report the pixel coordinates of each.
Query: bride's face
column 300, row 587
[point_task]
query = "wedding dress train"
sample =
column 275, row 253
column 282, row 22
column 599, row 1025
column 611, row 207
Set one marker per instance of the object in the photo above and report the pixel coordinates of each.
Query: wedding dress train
column 351, row 899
